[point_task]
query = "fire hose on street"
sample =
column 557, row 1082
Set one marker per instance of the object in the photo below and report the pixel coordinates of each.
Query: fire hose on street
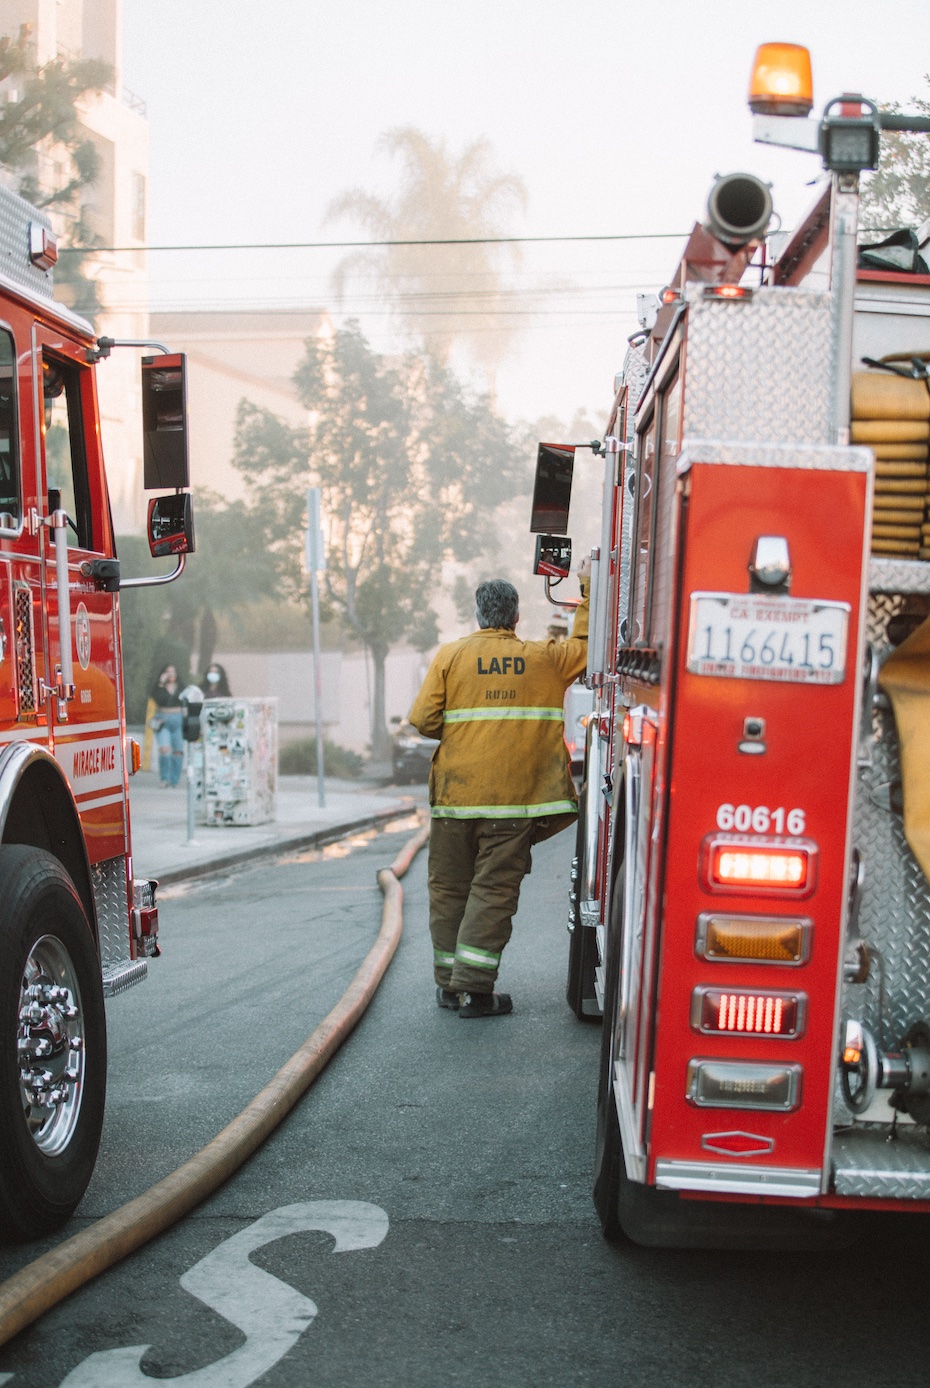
column 44, row 1283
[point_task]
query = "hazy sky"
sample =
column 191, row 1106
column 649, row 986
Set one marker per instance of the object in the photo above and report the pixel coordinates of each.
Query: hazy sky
column 617, row 116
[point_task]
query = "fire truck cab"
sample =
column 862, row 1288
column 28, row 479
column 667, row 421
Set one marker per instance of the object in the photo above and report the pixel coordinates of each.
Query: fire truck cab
column 750, row 908
column 74, row 924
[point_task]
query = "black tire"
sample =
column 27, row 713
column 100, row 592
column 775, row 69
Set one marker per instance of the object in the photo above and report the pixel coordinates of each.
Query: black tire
column 49, row 968
column 582, row 947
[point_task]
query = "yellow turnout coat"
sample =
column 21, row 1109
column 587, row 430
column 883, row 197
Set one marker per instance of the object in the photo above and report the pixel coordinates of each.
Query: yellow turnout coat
column 495, row 703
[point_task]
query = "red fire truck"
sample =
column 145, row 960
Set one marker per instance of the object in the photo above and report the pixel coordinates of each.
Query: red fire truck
column 750, row 909
column 75, row 925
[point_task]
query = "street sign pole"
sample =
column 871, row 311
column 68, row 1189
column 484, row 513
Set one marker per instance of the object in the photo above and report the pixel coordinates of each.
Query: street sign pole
column 316, row 560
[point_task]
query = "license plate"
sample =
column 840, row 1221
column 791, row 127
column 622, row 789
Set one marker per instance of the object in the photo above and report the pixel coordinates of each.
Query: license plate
column 754, row 637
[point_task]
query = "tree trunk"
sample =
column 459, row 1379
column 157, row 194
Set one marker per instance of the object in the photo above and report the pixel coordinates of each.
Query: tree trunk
column 380, row 737
column 207, row 639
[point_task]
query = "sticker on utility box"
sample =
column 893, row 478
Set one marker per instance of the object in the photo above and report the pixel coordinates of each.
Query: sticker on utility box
column 751, row 636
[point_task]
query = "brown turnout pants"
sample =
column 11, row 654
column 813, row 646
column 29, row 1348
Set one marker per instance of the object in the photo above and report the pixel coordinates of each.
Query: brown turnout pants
column 475, row 870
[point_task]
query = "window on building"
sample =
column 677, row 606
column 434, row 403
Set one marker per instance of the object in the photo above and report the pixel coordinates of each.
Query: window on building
column 65, row 454
column 138, row 206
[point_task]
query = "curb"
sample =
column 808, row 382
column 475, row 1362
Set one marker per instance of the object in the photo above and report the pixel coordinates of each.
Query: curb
column 318, row 839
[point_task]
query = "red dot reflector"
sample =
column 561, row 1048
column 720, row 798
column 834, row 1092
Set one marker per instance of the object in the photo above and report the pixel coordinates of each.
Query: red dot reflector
column 747, row 1013
column 728, row 291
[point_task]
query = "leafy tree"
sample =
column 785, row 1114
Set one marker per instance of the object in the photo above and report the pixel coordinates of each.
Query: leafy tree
column 42, row 114
column 411, row 469
column 441, row 195
column 898, row 193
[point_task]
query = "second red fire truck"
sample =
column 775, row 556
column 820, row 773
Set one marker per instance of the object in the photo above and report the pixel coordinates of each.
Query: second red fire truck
column 750, row 903
column 75, row 924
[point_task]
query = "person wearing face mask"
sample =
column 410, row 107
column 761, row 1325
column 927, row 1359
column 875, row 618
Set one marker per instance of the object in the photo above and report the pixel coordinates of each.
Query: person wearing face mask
column 167, row 724
column 215, row 683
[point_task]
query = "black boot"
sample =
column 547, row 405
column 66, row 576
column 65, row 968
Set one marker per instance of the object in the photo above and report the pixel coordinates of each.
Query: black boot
column 485, row 1004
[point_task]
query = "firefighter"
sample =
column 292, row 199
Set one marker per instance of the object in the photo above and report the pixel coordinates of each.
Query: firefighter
column 499, row 783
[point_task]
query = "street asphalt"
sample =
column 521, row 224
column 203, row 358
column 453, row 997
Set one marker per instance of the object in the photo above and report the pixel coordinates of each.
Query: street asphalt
column 457, row 1155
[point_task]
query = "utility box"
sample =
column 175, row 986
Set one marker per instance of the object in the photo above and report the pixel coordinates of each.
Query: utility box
column 238, row 778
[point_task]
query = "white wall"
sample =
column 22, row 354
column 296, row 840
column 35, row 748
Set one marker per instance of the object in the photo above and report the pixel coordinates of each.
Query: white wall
column 346, row 681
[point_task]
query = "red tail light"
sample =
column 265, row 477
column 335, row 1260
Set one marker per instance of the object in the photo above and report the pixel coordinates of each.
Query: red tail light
column 755, row 864
column 748, row 1013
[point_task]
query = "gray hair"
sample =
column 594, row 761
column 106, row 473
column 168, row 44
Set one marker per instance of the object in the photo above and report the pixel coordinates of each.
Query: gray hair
column 497, row 604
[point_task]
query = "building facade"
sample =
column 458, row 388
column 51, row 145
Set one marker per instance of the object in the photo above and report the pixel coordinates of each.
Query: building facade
column 114, row 210
column 235, row 355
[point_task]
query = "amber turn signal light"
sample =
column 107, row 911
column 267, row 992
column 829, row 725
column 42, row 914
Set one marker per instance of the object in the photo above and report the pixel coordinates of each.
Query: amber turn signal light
column 753, row 939
column 782, row 83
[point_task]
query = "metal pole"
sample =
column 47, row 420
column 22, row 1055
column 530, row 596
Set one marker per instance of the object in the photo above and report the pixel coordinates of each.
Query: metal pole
column 843, row 235
column 317, row 686
column 191, row 791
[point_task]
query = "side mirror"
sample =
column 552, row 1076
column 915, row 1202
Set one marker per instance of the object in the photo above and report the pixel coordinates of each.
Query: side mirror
column 171, row 525
column 553, row 556
column 164, row 422
column 552, row 491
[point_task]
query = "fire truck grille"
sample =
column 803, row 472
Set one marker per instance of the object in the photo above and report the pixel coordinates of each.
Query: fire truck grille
column 25, row 648
column 112, row 902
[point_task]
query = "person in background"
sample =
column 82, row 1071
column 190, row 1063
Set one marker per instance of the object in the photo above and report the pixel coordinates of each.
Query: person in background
column 167, row 724
column 215, row 683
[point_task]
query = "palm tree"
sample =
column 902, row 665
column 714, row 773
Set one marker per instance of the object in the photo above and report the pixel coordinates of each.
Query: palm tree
column 440, row 294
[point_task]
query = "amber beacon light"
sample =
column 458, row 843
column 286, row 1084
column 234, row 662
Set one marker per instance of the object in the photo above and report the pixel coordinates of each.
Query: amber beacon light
column 782, row 83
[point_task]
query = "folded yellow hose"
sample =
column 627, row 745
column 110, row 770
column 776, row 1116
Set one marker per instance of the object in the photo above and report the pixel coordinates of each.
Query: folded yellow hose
column 895, row 532
column 900, row 452
column 916, row 486
column 889, row 430
column 900, row 469
column 43, row 1283
column 903, row 547
column 881, row 395
column 894, row 517
column 905, row 678
column 911, row 504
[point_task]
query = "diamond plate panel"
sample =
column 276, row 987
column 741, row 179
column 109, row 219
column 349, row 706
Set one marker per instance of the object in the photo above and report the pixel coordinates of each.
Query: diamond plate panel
column 899, row 576
column 755, row 367
column 866, row 1164
column 112, row 902
column 894, row 913
column 821, row 457
column 15, row 216
column 26, row 686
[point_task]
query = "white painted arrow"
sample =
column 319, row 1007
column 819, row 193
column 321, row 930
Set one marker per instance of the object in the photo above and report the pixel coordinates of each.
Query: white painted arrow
column 270, row 1314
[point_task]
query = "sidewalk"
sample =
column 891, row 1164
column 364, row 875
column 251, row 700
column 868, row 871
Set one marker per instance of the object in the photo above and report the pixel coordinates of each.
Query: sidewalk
column 159, row 824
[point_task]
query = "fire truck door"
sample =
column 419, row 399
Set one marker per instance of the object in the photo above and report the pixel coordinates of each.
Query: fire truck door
column 88, row 728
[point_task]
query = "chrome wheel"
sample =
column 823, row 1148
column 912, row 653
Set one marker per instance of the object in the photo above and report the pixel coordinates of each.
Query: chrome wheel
column 50, row 1046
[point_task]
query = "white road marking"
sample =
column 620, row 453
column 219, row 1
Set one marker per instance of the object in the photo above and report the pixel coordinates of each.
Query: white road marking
column 271, row 1315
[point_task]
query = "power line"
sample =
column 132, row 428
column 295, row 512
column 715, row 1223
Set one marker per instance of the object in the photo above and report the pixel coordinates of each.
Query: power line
column 370, row 245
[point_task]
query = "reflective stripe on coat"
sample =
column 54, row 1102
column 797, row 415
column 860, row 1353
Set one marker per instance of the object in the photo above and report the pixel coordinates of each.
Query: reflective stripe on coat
column 495, row 703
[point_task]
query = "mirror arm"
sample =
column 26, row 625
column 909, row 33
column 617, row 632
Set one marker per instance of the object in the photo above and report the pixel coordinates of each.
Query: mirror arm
column 569, row 603
column 156, row 580
column 104, row 346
